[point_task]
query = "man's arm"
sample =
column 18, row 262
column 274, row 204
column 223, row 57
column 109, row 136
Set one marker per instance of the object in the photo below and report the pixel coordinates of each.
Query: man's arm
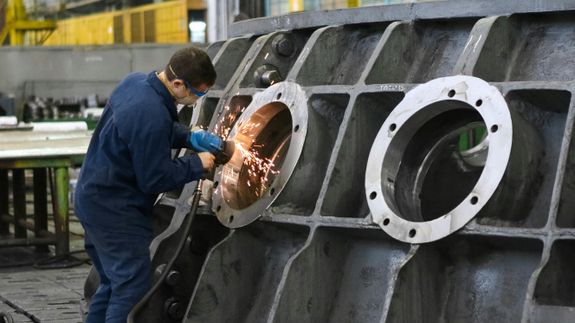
column 180, row 134
column 150, row 148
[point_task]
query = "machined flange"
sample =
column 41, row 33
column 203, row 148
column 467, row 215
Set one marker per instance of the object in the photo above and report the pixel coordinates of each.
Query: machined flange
column 269, row 137
column 420, row 184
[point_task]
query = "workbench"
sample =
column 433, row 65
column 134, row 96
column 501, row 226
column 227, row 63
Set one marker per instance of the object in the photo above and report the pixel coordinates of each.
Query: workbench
column 49, row 155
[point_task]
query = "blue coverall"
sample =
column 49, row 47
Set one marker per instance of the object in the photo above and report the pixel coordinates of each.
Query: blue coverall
column 128, row 163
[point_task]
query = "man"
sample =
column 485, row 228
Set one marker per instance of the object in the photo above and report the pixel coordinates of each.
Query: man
column 128, row 163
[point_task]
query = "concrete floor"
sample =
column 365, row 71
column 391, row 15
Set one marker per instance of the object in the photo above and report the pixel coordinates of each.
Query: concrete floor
column 29, row 294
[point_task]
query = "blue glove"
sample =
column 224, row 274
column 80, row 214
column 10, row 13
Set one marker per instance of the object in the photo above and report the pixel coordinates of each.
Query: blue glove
column 203, row 141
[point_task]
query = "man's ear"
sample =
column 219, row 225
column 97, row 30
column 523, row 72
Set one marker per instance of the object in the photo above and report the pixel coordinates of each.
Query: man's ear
column 177, row 83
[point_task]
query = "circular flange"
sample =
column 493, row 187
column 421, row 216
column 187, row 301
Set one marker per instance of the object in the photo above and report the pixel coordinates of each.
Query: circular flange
column 420, row 105
column 275, row 125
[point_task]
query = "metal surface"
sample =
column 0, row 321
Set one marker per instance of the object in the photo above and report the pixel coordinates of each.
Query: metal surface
column 278, row 120
column 21, row 150
column 313, row 252
column 17, row 26
column 60, row 204
column 420, row 187
column 27, row 144
column 4, row 207
column 19, row 200
column 40, row 205
column 408, row 12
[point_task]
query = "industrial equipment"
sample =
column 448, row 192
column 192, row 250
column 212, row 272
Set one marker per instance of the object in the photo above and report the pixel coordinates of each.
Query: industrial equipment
column 6, row 105
column 18, row 30
column 351, row 200
column 162, row 22
column 89, row 110
column 203, row 141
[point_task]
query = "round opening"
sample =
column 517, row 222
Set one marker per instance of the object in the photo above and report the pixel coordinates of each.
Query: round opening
column 474, row 200
column 231, row 219
column 216, row 183
column 412, row 233
column 392, row 127
column 479, row 103
column 262, row 143
column 451, row 93
column 219, row 208
column 372, row 195
column 386, row 221
column 296, row 128
column 428, row 170
column 278, row 96
column 494, row 128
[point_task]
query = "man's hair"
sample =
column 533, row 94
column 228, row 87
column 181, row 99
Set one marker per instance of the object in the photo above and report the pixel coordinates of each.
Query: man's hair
column 192, row 65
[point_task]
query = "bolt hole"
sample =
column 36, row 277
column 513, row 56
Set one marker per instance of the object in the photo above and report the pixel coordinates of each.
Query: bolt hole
column 451, row 93
column 278, row 96
column 372, row 195
column 218, row 208
column 231, row 219
column 272, row 191
column 386, row 221
column 216, row 184
column 478, row 103
column 494, row 128
column 392, row 127
column 474, row 200
column 296, row 128
column 412, row 233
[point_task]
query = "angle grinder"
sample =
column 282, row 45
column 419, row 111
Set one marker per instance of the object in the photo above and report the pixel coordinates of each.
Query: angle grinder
column 203, row 141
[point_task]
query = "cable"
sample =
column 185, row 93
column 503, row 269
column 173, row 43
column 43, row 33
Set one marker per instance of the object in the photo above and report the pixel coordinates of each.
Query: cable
column 180, row 247
column 18, row 310
column 60, row 261
column 6, row 318
column 53, row 262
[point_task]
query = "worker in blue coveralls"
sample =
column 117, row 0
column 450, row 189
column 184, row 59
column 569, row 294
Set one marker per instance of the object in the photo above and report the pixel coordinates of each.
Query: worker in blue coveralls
column 128, row 163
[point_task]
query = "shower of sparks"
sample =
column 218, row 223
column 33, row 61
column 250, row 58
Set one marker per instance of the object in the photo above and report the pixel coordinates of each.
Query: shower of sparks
column 224, row 126
column 258, row 167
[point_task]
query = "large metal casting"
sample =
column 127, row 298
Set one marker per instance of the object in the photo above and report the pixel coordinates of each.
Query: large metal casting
column 415, row 169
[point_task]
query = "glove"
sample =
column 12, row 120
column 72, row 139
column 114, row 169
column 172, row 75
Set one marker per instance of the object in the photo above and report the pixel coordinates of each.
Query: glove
column 203, row 141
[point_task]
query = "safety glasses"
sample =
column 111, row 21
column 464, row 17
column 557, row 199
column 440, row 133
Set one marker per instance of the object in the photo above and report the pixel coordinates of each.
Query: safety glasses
column 195, row 91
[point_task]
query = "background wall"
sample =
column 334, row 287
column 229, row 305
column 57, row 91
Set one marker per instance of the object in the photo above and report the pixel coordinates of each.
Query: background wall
column 75, row 71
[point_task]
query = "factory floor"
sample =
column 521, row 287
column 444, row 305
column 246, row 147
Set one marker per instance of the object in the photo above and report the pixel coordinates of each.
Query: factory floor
column 30, row 294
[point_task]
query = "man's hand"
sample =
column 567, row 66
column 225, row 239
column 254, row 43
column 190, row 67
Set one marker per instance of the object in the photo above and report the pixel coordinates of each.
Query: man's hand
column 207, row 161
column 202, row 140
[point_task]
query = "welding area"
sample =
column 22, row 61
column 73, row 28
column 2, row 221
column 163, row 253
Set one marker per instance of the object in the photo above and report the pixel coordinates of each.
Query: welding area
column 386, row 163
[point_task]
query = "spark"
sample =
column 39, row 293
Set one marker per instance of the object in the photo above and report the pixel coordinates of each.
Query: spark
column 258, row 167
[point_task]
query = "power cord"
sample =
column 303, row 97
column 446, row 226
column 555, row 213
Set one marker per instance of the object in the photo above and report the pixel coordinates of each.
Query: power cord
column 66, row 260
column 187, row 226
column 6, row 318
